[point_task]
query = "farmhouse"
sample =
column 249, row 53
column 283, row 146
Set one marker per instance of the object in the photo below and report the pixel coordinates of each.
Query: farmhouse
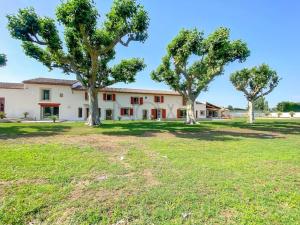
column 42, row 98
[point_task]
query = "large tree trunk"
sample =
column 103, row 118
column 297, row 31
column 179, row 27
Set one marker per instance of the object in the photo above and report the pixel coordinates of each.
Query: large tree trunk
column 250, row 112
column 94, row 117
column 190, row 112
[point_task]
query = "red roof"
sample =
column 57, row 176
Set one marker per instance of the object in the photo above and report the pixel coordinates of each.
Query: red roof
column 50, row 81
column 11, row 85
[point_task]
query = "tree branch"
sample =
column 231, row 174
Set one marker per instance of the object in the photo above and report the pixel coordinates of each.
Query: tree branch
column 35, row 39
column 130, row 38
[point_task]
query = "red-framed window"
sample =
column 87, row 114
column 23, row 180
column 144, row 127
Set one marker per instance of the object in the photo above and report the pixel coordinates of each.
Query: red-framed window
column 2, row 104
column 126, row 112
column 136, row 100
column 159, row 99
column 109, row 97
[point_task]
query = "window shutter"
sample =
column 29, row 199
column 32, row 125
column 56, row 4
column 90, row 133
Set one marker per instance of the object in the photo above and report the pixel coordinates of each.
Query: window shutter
column 153, row 113
column 162, row 99
column 104, row 97
column 131, row 100
column 131, row 111
column 178, row 113
column 141, row 101
column 114, row 97
column 164, row 113
column 122, row 111
column 155, row 98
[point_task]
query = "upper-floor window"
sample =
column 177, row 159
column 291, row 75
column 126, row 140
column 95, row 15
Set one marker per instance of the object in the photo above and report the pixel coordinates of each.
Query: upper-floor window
column 137, row 101
column 109, row 97
column 45, row 94
column 159, row 99
column 86, row 96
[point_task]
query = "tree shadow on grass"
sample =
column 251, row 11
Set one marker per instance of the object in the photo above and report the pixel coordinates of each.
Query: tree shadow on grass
column 13, row 131
column 284, row 127
column 203, row 131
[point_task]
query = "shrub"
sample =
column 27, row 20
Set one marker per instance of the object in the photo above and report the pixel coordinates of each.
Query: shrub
column 54, row 118
column 25, row 114
column 119, row 118
column 292, row 113
column 2, row 115
column 279, row 114
column 267, row 113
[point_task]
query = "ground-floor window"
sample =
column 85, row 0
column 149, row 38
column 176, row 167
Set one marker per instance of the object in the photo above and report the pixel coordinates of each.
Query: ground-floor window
column 158, row 114
column 2, row 101
column 181, row 113
column 202, row 112
column 108, row 114
column 145, row 114
column 126, row 112
column 48, row 111
column 79, row 112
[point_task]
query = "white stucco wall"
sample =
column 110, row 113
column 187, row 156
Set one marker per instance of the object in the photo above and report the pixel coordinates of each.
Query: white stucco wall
column 18, row 101
column 285, row 115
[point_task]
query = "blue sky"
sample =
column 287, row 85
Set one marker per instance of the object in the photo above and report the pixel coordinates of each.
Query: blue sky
column 270, row 27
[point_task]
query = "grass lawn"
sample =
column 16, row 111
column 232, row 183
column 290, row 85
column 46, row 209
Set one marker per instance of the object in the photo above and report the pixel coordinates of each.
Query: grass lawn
column 220, row 172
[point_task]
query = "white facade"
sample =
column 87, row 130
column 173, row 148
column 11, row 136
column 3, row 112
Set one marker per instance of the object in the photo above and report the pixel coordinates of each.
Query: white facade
column 69, row 100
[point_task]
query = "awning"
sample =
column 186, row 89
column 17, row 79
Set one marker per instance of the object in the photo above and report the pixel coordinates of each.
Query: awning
column 46, row 104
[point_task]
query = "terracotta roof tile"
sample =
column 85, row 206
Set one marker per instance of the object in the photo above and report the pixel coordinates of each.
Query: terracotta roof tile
column 50, row 81
column 4, row 85
column 134, row 91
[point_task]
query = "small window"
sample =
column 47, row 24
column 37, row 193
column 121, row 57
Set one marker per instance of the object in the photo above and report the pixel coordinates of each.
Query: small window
column 182, row 113
column 61, row 95
column 86, row 96
column 99, row 111
column 79, row 112
column 157, row 98
column 45, row 94
column 202, row 112
column 109, row 97
column 135, row 100
column 126, row 111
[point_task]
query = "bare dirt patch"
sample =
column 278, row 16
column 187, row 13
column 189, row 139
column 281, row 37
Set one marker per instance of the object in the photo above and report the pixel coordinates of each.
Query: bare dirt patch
column 150, row 178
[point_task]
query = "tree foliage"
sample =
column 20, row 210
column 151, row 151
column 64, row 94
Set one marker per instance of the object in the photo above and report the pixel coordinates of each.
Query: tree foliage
column 189, row 77
column 3, row 60
column 286, row 106
column 261, row 104
column 89, row 48
column 255, row 82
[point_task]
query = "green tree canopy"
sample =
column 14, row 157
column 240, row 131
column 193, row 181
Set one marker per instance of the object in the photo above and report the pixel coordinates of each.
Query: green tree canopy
column 89, row 48
column 286, row 106
column 3, row 60
column 261, row 104
column 255, row 83
column 193, row 61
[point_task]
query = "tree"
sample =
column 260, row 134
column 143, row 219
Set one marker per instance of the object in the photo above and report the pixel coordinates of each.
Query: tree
column 255, row 83
column 212, row 55
column 288, row 106
column 230, row 107
column 261, row 104
column 3, row 60
column 89, row 49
